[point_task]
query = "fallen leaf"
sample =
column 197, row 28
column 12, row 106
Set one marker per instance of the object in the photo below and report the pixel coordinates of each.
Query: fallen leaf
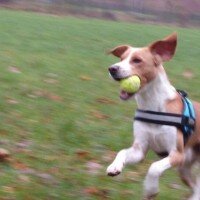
column 85, row 78
column 4, row 141
column 99, row 115
column 32, row 155
column 14, row 69
column 54, row 97
column 96, row 191
column 8, row 189
column 12, row 101
column 19, row 165
column 82, row 154
column 53, row 170
column 24, row 178
column 175, row 186
column 105, row 100
column 93, row 167
column 50, row 157
column 46, row 178
column 48, row 95
column 24, row 144
column 4, row 154
column 188, row 74
column 3, row 132
column 50, row 81
column 33, row 121
column 127, row 193
column 52, row 75
column 91, row 191
column 32, row 96
column 39, row 93
column 104, row 193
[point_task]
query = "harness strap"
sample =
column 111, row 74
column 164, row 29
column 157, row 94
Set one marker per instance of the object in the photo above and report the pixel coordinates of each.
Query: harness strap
column 162, row 118
column 184, row 121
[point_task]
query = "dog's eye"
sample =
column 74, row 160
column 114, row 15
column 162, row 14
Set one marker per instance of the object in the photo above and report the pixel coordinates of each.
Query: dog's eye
column 137, row 60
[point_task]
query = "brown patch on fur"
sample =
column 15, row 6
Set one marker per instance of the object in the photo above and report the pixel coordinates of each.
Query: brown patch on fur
column 177, row 157
column 175, row 105
column 188, row 74
column 146, row 69
column 180, row 142
column 125, row 54
column 186, row 181
column 165, row 48
column 194, row 140
column 119, row 50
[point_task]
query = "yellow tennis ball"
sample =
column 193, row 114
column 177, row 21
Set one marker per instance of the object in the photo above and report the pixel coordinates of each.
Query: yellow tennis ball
column 131, row 84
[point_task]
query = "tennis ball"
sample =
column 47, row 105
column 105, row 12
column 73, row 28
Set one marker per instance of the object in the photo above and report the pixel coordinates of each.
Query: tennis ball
column 131, row 84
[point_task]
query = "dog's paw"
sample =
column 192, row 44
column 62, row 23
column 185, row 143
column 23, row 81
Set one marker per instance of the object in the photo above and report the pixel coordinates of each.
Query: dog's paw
column 114, row 169
column 151, row 193
column 150, row 197
column 194, row 197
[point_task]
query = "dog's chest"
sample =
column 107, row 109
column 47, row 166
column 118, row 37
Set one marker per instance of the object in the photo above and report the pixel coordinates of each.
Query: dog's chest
column 159, row 138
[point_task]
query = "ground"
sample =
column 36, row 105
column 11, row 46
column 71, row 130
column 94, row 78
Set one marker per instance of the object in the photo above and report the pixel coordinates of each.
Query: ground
column 61, row 116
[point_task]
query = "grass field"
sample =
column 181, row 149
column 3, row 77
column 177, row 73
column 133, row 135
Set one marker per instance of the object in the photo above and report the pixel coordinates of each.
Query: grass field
column 61, row 117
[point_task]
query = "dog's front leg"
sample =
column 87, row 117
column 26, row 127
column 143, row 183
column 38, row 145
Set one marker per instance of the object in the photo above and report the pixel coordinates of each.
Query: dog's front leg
column 131, row 155
column 151, row 183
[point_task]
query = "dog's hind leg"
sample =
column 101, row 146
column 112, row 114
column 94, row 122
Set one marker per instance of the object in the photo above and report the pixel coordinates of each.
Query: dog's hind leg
column 196, row 191
column 196, row 171
column 131, row 155
column 186, row 168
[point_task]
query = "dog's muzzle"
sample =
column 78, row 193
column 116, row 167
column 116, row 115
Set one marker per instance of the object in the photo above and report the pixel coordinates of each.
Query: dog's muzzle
column 114, row 72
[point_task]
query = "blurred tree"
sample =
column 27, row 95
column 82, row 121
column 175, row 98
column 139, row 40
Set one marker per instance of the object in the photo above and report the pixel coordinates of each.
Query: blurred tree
column 182, row 12
column 5, row 1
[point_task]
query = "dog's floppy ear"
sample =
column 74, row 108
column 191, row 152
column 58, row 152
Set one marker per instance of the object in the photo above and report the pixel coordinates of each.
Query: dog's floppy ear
column 165, row 48
column 119, row 50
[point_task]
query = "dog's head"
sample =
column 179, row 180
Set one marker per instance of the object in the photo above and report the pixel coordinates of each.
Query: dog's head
column 145, row 62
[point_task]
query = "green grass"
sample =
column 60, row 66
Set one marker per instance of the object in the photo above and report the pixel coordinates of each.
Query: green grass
column 53, row 109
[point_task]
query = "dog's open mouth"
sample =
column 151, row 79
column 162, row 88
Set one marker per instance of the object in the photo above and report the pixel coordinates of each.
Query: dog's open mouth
column 125, row 95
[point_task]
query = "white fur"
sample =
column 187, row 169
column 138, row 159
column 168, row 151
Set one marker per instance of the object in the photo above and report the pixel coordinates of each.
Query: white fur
column 157, row 137
column 126, row 156
column 125, row 68
column 155, row 94
column 153, row 97
column 160, row 138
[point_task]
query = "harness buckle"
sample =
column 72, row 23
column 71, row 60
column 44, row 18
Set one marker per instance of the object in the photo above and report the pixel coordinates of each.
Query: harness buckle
column 182, row 93
column 188, row 121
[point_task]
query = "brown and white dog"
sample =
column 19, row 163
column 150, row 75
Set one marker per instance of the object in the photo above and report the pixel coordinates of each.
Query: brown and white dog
column 156, row 94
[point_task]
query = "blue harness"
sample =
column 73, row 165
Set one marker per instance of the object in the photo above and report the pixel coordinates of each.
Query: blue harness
column 189, row 113
column 185, row 121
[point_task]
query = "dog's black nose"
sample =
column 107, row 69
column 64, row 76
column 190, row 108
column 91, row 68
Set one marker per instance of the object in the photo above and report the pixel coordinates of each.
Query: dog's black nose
column 113, row 69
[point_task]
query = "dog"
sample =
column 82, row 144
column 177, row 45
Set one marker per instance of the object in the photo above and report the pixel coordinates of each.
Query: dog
column 156, row 95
